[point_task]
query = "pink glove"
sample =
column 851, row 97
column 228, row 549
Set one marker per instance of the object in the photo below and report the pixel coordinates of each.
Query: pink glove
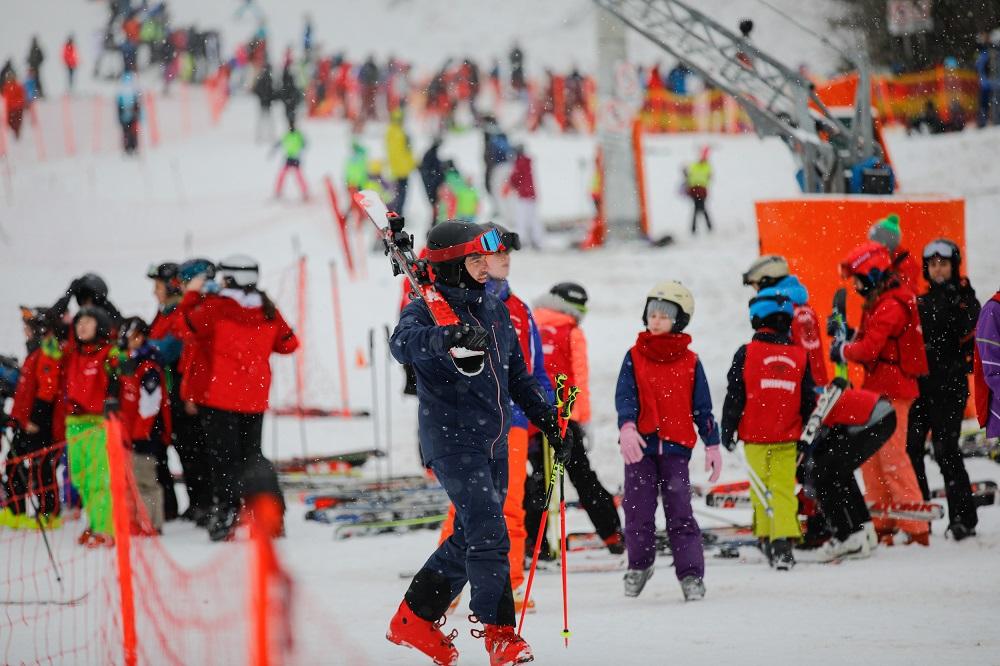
column 713, row 462
column 631, row 443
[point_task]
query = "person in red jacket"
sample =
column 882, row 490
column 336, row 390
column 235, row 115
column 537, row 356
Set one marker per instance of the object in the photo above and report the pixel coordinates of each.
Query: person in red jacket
column 34, row 413
column 856, row 427
column 70, row 59
column 889, row 345
column 90, row 369
column 771, row 270
column 145, row 415
column 769, row 398
column 886, row 232
column 235, row 332
column 14, row 101
column 522, row 184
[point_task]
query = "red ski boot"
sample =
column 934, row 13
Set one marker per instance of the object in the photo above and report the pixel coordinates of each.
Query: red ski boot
column 504, row 646
column 407, row 629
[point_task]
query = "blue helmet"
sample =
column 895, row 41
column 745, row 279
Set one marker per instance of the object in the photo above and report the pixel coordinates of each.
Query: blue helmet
column 768, row 302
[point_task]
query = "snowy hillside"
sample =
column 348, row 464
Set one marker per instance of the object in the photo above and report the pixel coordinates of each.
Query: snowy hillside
column 211, row 194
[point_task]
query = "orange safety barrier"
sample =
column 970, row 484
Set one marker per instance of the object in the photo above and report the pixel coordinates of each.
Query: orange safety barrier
column 815, row 233
column 708, row 111
column 640, row 175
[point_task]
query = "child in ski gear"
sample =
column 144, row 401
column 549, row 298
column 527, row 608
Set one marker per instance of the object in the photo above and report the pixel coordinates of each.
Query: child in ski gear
column 457, row 199
column 15, row 100
column 697, row 177
column 70, row 60
column 34, row 413
column 231, row 390
column 293, row 143
column 771, row 270
column 857, row 426
column 145, row 414
column 498, row 268
column 889, row 345
column 129, row 108
column 769, row 398
column 90, row 371
column 948, row 314
column 987, row 368
column 464, row 419
column 559, row 314
column 661, row 395
column 886, row 232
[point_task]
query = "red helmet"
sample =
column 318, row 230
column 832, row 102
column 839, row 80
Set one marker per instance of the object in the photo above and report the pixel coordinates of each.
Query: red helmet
column 870, row 262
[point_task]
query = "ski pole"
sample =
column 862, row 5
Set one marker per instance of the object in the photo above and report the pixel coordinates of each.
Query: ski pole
column 375, row 409
column 556, row 470
column 562, row 550
column 388, row 403
column 22, row 470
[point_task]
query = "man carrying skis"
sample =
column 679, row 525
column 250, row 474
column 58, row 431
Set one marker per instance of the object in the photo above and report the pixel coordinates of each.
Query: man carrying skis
column 465, row 414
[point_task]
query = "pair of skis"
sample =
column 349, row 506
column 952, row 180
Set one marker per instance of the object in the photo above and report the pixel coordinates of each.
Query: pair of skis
column 398, row 246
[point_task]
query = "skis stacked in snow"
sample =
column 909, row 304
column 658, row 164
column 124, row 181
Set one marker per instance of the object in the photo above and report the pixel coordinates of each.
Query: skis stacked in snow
column 332, row 464
column 974, row 444
column 984, row 493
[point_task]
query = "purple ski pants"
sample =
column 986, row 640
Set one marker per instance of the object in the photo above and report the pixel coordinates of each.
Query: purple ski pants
column 667, row 475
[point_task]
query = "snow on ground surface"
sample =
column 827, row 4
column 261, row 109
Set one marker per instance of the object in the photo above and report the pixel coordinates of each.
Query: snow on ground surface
column 211, row 195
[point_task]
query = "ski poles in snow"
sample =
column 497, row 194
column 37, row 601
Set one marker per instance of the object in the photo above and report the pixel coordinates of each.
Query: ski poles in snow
column 764, row 495
column 565, row 398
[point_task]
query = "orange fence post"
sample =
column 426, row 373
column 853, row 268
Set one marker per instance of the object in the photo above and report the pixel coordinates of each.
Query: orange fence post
column 338, row 330
column 340, row 219
column 259, row 573
column 36, row 128
column 154, row 123
column 640, row 175
column 300, row 325
column 120, row 518
column 68, row 125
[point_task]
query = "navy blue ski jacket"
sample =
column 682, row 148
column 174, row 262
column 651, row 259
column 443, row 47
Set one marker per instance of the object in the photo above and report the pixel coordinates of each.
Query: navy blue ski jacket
column 459, row 413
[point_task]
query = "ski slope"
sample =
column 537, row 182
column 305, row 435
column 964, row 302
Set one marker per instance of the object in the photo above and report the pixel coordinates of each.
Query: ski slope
column 210, row 195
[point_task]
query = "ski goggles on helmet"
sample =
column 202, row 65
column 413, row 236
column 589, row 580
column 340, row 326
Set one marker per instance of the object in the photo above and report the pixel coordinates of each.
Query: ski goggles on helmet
column 488, row 242
column 940, row 248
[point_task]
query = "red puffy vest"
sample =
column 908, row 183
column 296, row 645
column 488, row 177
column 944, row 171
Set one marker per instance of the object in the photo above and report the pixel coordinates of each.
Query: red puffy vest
column 139, row 427
column 772, row 375
column 557, row 352
column 853, row 408
column 664, row 375
column 520, row 319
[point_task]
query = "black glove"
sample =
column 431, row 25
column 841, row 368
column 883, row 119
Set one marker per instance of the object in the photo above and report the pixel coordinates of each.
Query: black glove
column 473, row 338
column 74, row 287
column 837, row 352
column 730, row 445
column 840, row 382
column 562, row 446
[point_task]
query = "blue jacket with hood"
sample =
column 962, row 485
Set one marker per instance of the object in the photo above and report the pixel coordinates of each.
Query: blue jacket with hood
column 459, row 413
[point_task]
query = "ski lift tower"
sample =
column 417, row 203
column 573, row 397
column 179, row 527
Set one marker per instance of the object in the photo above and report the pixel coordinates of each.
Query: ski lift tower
column 778, row 100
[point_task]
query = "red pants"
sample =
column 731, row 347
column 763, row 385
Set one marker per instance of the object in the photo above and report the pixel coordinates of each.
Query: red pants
column 280, row 185
column 889, row 475
column 513, row 507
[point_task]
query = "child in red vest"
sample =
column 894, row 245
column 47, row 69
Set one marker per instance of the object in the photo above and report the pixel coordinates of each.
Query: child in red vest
column 90, row 385
column 145, row 414
column 770, row 396
column 890, row 346
column 34, row 413
column 662, row 394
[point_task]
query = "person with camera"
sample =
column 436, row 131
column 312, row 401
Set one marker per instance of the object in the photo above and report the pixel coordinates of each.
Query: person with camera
column 467, row 375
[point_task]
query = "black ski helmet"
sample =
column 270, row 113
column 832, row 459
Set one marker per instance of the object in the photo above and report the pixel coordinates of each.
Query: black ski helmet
column 449, row 243
column 167, row 273
column 91, row 287
column 946, row 249
column 572, row 293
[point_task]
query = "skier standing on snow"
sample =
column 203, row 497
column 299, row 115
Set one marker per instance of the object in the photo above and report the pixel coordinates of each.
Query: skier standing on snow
column 948, row 314
column 128, row 113
column 662, row 394
column 697, row 177
column 263, row 90
column 889, row 344
column 769, row 398
column 498, row 269
column 771, row 270
column 464, row 420
column 293, row 143
column 559, row 314
column 71, row 60
column 401, row 161
column 35, row 59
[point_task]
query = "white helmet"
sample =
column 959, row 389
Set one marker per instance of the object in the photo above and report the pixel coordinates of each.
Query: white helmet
column 766, row 271
column 676, row 293
column 239, row 270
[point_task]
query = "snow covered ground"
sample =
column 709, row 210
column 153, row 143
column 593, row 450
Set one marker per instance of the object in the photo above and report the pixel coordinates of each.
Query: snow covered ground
column 210, row 195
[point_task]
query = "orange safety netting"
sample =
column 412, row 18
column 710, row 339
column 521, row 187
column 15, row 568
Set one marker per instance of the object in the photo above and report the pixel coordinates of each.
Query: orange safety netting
column 143, row 599
column 708, row 111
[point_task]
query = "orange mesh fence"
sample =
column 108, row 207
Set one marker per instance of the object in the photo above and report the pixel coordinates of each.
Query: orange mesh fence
column 708, row 111
column 141, row 598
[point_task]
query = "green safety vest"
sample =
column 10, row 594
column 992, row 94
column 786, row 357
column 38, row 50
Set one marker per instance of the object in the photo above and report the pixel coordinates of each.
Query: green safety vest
column 698, row 174
column 293, row 143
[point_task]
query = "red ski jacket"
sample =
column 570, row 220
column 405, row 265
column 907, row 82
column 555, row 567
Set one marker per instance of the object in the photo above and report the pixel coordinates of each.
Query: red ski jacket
column 87, row 373
column 144, row 399
column 39, row 380
column 853, row 408
column 773, row 374
column 890, row 345
column 665, row 376
column 232, row 369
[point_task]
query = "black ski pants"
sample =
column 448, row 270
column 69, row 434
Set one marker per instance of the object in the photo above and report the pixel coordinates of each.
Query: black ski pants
column 191, row 448
column 939, row 411
column 834, row 458
column 232, row 438
column 31, row 468
column 594, row 498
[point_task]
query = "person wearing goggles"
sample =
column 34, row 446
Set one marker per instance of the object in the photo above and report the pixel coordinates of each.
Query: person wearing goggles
column 948, row 313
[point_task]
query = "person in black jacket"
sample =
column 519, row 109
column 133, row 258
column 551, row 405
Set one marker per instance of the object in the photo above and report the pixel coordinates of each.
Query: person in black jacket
column 290, row 95
column 432, row 173
column 263, row 90
column 35, row 59
column 948, row 314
